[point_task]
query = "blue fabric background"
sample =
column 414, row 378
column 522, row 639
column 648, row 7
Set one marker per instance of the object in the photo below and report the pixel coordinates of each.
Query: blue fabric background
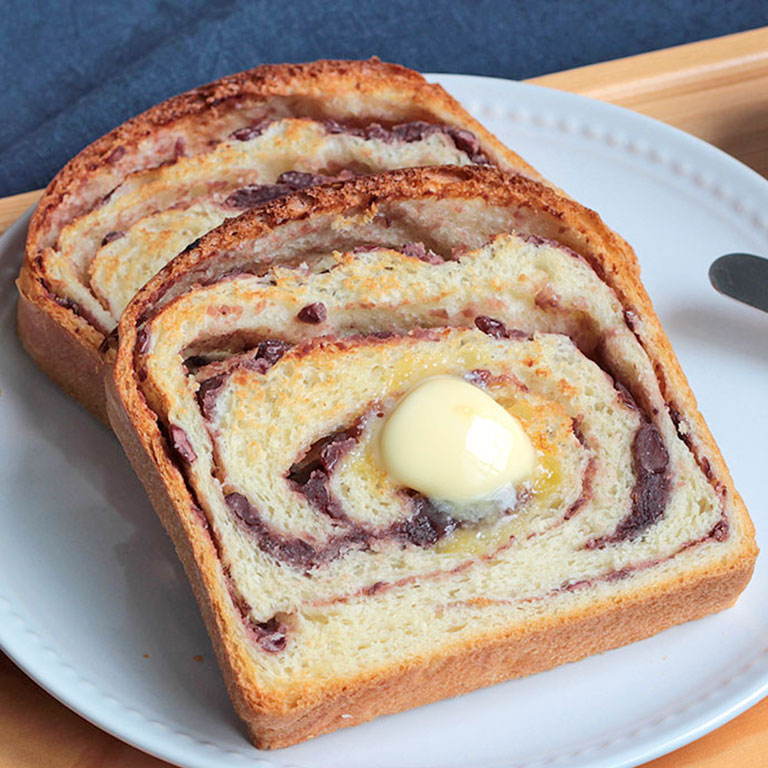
column 73, row 69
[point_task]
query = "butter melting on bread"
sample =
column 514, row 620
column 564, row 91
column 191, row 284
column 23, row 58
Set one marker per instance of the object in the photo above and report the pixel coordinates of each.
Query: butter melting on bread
column 251, row 384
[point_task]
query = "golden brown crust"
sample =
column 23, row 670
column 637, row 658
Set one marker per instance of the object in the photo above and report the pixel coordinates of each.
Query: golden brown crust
column 68, row 352
column 98, row 168
column 542, row 644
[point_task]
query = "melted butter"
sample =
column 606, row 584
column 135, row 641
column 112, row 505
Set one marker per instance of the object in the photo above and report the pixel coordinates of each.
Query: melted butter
column 451, row 441
column 476, row 541
column 483, row 540
column 547, row 477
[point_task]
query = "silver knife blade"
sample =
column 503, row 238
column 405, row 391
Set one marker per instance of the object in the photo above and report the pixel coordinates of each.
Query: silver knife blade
column 742, row 276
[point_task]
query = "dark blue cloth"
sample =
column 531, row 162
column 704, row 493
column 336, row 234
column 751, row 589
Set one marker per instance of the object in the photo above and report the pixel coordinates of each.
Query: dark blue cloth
column 73, row 69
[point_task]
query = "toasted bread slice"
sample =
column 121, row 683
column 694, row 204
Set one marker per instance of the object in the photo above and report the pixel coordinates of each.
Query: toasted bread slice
column 251, row 380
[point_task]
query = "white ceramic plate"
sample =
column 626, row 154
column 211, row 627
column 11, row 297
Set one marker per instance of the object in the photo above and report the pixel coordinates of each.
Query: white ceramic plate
column 95, row 607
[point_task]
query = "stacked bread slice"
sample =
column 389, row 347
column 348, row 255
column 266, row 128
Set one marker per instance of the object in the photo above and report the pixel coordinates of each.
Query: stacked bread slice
column 250, row 385
column 135, row 198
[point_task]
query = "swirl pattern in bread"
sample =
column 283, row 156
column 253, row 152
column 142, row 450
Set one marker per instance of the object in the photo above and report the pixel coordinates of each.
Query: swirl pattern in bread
column 251, row 381
column 135, row 198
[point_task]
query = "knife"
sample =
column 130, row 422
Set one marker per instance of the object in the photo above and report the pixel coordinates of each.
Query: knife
column 742, row 276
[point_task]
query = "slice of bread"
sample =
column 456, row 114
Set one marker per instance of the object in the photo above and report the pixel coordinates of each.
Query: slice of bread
column 138, row 196
column 249, row 387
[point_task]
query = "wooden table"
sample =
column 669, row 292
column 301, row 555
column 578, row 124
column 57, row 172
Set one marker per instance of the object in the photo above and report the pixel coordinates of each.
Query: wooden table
column 717, row 90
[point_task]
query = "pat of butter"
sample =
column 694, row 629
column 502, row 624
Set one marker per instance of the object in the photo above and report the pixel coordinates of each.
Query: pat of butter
column 450, row 440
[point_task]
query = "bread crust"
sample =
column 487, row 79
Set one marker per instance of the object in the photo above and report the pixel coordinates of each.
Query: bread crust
column 332, row 88
column 543, row 643
column 68, row 352
column 506, row 658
